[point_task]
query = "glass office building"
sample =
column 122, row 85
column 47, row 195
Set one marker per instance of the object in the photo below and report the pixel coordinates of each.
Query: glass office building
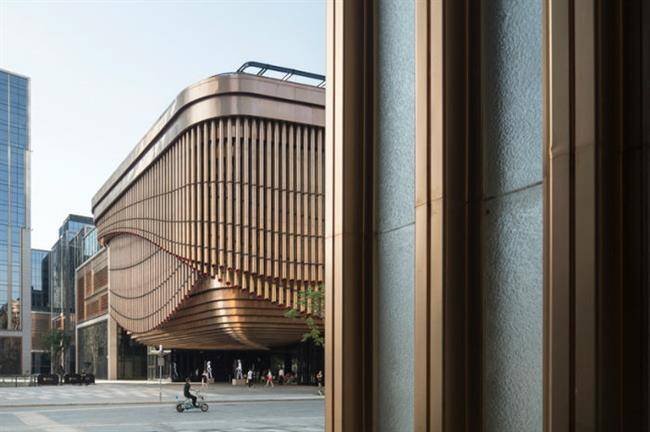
column 66, row 255
column 41, row 317
column 15, row 298
column 40, row 280
column 90, row 243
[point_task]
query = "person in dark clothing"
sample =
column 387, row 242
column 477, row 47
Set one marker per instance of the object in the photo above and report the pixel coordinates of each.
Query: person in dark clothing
column 186, row 391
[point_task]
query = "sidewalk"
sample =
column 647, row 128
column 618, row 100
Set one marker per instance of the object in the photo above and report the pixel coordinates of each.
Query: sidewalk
column 129, row 393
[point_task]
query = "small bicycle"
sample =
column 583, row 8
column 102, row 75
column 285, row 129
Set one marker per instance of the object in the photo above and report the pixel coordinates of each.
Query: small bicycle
column 186, row 405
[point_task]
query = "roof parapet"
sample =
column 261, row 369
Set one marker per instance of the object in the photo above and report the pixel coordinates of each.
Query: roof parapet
column 289, row 73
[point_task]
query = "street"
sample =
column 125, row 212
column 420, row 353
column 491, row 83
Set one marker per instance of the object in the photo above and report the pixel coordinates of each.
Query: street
column 135, row 408
column 127, row 393
column 293, row 416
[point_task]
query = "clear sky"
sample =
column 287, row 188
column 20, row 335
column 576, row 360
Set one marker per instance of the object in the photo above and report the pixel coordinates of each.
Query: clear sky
column 102, row 72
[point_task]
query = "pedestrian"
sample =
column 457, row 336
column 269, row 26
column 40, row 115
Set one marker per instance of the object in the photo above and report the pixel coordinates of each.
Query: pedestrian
column 239, row 371
column 209, row 370
column 204, row 379
column 319, row 380
column 281, row 376
column 269, row 379
column 249, row 378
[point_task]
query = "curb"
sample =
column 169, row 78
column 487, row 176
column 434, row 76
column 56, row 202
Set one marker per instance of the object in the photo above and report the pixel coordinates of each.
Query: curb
column 96, row 404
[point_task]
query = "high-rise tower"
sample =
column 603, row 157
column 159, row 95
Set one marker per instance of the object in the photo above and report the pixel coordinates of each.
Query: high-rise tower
column 15, row 239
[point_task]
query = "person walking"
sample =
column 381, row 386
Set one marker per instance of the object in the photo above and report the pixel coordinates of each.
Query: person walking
column 319, row 380
column 239, row 371
column 209, row 371
column 249, row 378
column 269, row 379
column 281, row 376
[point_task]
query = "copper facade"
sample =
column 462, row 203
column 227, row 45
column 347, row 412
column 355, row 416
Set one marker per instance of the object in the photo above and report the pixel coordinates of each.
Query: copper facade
column 92, row 287
column 215, row 221
column 40, row 327
column 594, row 200
column 596, row 216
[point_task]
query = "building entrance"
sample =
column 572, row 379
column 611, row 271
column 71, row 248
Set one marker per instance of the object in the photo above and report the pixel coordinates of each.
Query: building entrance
column 301, row 361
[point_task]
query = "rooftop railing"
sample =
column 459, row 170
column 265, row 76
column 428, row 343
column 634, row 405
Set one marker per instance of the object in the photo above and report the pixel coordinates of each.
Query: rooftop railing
column 282, row 73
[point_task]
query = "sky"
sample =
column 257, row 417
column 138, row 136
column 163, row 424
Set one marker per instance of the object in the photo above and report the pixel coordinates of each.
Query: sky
column 103, row 71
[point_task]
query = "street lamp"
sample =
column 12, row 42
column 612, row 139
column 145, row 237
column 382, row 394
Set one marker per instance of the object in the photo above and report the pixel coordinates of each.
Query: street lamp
column 160, row 361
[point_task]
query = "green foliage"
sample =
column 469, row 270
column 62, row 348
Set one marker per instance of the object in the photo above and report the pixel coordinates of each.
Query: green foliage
column 314, row 299
column 58, row 342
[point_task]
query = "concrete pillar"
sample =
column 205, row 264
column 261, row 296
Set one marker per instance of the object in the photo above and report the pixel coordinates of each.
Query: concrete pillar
column 395, row 216
column 111, row 355
column 26, row 294
column 512, row 225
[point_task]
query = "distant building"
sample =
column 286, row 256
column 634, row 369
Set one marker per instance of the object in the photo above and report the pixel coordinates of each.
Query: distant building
column 15, row 238
column 41, row 318
column 66, row 255
column 92, row 307
column 103, row 348
column 40, row 280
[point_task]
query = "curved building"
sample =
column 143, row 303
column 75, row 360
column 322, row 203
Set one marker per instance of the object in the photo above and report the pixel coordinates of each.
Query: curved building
column 215, row 221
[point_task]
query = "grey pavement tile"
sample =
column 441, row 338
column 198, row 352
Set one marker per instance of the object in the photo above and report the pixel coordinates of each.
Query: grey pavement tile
column 119, row 393
column 302, row 416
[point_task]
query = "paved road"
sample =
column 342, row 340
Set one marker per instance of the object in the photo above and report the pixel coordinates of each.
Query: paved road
column 143, row 393
column 280, row 416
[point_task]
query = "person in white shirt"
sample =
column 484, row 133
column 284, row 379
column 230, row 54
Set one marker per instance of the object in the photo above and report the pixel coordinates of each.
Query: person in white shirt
column 269, row 379
column 249, row 378
column 281, row 376
column 209, row 370
column 239, row 371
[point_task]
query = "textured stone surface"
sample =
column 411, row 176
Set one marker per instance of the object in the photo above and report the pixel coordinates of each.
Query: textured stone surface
column 395, row 216
column 512, row 94
column 513, row 235
column 512, row 225
column 395, row 329
column 395, row 154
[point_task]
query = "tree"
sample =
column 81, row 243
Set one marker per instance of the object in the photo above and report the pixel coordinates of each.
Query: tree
column 313, row 299
column 92, row 346
column 58, row 342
